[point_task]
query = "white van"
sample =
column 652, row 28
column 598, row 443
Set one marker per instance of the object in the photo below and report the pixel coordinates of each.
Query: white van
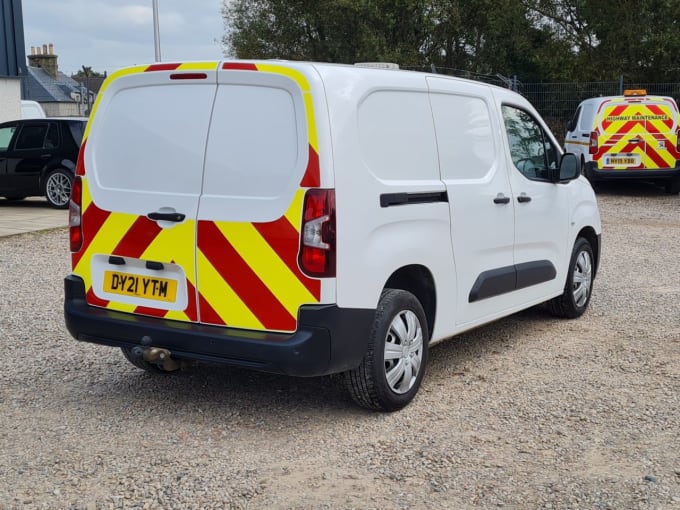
column 310, row 219
column 633, row 136
column 32, row 110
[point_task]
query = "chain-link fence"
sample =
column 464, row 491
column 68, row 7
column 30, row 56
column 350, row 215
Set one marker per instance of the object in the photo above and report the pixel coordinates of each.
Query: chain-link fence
column 557, row 102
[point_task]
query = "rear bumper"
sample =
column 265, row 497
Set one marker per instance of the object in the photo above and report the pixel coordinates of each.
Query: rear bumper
column 328, row 339
column 593, row 173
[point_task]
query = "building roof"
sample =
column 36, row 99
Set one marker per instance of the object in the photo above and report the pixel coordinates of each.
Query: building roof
column 41, row 87
column 93, row 83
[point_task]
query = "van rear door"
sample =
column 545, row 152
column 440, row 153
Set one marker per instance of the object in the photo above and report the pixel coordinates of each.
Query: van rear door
column 143, row 172
column 261, row 156
column 660, row 134
column 637, row 133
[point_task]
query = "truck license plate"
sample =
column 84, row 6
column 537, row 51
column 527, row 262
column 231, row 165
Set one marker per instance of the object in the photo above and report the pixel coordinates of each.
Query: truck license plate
column 622, row 161
column 147, row 287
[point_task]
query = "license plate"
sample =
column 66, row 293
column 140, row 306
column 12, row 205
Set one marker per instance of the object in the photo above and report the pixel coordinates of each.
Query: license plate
column 147, row 287
column 622, row 161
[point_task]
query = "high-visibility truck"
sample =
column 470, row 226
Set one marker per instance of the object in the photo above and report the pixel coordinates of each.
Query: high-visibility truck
column 633, row 136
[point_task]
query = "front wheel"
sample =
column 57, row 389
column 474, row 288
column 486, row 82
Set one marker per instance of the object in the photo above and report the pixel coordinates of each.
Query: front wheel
column 587, row 169
column 394, row 365
column 58, row 188
column 579, row 286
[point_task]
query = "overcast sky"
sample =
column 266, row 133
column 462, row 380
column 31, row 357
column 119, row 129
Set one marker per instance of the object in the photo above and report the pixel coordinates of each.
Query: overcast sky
column 109, row 34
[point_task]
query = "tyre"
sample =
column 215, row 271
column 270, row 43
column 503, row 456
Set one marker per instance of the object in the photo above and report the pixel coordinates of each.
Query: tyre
column 58, row 188
column 139, row 362
column 673, row 186
column 579, row 286
column 394, row 365
column 587, row 169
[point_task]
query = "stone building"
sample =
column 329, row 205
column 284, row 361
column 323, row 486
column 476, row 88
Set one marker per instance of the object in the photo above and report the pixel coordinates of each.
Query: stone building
column 58, row 94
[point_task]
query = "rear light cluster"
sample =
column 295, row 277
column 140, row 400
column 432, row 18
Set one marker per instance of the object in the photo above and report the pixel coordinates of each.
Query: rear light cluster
column 317, row 239
column 75, row 215
column 592, row 148
column 76, row 203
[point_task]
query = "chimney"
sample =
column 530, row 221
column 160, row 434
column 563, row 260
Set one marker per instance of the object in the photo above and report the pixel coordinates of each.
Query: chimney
column 44, row 58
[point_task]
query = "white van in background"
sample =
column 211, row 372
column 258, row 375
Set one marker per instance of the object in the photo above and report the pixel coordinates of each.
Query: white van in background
column 311, row 219
column 633, row 136
column 32, row 110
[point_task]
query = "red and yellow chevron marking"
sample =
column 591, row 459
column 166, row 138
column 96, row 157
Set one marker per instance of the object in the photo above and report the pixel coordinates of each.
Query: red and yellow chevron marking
column 653, row 126
column 247, row 273
column 127, row 235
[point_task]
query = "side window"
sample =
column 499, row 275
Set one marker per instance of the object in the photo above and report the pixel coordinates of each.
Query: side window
column 52, row 138
column 77, row 129
column 6, row 134
column 531, row 150
column 573, row 122
column 586, row 121
column 31, row 137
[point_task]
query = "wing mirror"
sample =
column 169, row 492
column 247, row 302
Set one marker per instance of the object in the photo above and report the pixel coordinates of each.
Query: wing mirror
column 570, row 168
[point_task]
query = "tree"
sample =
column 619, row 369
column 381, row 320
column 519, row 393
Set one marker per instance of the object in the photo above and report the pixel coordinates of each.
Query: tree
column 476, row 35
column 86, row 72
column 343, row 31
column 538, row 40
column 639, row 39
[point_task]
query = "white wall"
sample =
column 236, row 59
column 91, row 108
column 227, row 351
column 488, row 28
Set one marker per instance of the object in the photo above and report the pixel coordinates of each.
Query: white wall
column 63, row 109
column 10, row 99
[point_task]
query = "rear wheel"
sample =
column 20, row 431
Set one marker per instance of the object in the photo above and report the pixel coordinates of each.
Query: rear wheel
column 673, row 186
column 58, row 188
column 394, row 365
column 578, row 288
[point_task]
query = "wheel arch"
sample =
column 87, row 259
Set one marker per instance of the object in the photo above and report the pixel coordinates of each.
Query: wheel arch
column 54, row 164
column 417, row 280
column 589, row 234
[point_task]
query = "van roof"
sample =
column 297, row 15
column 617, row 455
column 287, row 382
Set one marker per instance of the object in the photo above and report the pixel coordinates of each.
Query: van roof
column 636, row 99
column 350, row 68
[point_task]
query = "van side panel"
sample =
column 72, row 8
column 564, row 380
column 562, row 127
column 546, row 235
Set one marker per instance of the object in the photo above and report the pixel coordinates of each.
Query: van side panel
column 384, row 146
column 473, row 169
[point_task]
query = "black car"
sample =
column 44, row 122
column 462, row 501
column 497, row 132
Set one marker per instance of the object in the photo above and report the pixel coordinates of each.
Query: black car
column 38, row 158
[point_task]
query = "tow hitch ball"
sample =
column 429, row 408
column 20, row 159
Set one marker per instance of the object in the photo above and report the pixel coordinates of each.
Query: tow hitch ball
column 158, row 356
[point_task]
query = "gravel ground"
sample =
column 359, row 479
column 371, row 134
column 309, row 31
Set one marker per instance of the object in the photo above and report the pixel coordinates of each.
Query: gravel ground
column 528, row 412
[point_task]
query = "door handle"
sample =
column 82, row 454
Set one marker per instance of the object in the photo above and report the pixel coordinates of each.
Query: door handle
column 46, row 156
column 523, row 198
column 159, row 216
column 501, row 199
column 585, row 135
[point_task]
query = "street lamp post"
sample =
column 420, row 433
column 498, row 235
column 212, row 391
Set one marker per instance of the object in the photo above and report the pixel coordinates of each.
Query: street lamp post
column 156, row 32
